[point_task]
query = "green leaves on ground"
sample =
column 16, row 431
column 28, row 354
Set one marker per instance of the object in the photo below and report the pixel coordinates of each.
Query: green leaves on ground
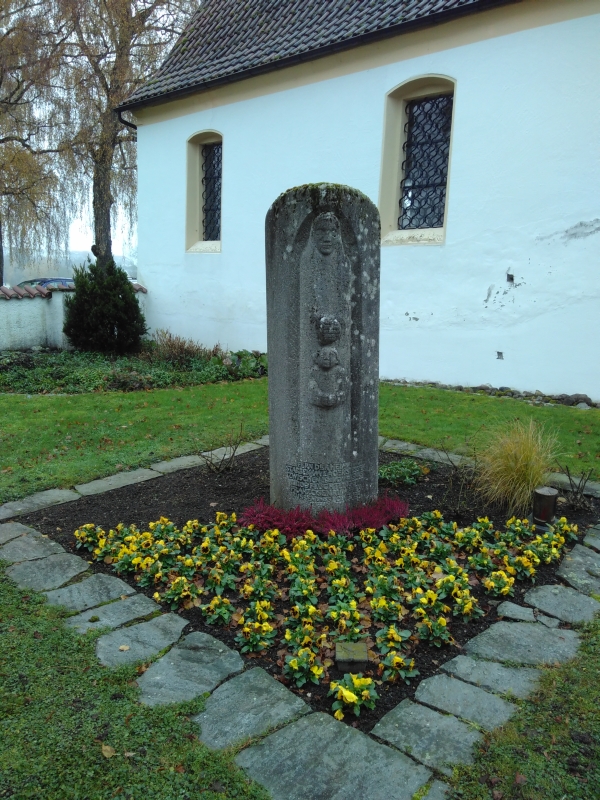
column 69, row 372
column 406, row 471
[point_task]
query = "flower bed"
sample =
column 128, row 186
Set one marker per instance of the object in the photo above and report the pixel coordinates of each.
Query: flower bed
column 398, row 588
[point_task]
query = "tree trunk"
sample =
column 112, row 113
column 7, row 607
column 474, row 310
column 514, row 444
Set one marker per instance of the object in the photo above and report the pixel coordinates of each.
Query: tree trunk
column 102, row 203
column 1, row 255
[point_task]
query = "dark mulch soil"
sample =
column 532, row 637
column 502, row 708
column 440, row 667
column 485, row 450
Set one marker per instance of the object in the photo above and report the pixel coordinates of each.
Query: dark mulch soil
column 198, row 494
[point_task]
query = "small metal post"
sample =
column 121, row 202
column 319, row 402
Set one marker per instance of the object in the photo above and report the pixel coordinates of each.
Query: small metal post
column 544, row 505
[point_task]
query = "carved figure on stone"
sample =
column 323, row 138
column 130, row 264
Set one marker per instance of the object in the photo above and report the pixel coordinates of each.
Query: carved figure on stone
column 329, row 379
column 324, row 256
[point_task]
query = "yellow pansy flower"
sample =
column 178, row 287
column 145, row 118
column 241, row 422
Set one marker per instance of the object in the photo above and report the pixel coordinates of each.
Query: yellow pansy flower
column 347, row 696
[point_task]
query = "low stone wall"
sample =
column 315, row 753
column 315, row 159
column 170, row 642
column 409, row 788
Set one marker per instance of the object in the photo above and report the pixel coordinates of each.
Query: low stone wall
column 535, row 398
column 33, row 322
column 38, row 321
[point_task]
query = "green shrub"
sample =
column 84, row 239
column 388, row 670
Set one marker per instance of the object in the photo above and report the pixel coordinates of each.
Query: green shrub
column 104, row 314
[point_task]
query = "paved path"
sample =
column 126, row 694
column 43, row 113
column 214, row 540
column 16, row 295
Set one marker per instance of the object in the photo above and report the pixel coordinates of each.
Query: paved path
column 301, row 755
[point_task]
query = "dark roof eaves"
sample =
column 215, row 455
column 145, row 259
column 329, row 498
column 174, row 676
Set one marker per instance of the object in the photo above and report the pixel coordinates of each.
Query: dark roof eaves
column 312, row 55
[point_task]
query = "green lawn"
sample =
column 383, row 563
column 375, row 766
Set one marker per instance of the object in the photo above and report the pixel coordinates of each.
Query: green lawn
column 71, row 729
column 436, row 417
column 551, row 750
column 49, row 441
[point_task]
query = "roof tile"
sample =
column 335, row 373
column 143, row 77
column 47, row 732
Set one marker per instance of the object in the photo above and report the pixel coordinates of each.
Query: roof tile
column 227, row 40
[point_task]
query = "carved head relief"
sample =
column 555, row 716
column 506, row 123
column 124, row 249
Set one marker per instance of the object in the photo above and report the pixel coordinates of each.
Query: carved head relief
column 329, row 330
column 326, row 233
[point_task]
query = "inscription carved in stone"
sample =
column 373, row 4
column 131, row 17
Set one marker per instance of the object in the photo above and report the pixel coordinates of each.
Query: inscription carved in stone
column 315, row 484
column 323, row 340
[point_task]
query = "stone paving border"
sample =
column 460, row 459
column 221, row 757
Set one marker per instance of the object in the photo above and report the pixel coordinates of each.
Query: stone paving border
column 304, row 755
column 52, row 497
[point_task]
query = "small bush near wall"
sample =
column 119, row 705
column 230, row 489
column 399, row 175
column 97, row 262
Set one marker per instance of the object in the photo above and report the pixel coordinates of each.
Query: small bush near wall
column 52, row 372
column 104, row 314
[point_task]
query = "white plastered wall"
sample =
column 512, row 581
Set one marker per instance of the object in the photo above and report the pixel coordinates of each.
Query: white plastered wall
column 523, row 200
column 38, row 322
column 32, row 322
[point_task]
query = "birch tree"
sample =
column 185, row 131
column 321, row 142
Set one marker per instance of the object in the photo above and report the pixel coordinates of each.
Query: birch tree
column 33, row 213
column 114, row 47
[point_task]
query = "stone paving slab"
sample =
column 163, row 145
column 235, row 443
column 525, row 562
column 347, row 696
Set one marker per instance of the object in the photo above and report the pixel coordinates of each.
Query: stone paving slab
column 592, row 538
column 319, row 758
column 438, row 791
column 513, row 611
column 430, row 454
column 28, row 547
column 434, row 739
column 464, row 700
column 225, row 452
column 352, row 656
column 10, row 530
column 549, row 622
column 144, row 640
column 263, row 441
column 248, row 447
column 197, row 665
column 51, row 497
column 524, row 644
column 560, row 481
column 47, row 573
column 397, row 446
column 564, row 603
column 94, row 591
column 518, row 681
column 175, row 464
column 246, row 706
column 113, row 615
column 581, row 569
column 117, row 481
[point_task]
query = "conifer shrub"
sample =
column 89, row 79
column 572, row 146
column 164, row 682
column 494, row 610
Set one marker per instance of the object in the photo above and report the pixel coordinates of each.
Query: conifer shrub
column 103, row 314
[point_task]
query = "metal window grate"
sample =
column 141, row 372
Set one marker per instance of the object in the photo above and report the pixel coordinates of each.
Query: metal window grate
column 425, row 167
column 212, row 159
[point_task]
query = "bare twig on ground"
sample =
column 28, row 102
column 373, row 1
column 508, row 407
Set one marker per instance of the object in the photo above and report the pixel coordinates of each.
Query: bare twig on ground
column 222, row 460
column 576, row 494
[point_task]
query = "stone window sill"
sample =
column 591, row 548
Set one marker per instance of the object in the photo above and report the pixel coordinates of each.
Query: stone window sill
column 415, row 236
column 205, row 247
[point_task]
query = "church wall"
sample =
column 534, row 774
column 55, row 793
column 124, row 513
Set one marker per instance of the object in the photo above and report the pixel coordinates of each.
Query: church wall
column 523, row 200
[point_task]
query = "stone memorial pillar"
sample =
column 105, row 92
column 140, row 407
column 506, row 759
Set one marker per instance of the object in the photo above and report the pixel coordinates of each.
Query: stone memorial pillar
column 323, row 252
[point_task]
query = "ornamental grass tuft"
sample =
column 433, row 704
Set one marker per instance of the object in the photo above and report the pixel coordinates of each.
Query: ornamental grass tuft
column 516, row 459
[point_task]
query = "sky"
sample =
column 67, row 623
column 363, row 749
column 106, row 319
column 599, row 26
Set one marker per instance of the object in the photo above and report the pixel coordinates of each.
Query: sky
column 81, row 238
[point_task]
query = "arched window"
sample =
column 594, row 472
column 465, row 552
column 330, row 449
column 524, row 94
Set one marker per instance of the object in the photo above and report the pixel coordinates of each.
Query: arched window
column 204, row 180
column 415, row 161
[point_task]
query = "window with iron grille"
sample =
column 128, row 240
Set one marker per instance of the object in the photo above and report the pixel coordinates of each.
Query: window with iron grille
column 425, row 165
column 211, row 191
